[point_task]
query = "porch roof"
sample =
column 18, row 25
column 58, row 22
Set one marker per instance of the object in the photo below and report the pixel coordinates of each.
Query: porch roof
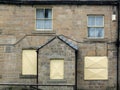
column 63, row 39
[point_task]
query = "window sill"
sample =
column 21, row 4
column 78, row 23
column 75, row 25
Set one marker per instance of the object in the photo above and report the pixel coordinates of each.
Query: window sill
column 57, row 81
column 27, row 76
column 43, row 32
column 95, row 39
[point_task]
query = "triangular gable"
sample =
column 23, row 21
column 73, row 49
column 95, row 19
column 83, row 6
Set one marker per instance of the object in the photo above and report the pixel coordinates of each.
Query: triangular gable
column 64, row 40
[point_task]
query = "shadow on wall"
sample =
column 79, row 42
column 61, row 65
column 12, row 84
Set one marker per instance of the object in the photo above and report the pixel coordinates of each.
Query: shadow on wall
column 20, row 88
column 108, row 88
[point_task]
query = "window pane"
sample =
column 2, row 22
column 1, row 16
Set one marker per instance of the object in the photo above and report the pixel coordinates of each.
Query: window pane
column 40, row 13
column 91, row 20
column 91, row 32
column 48, row 24
column 99, row 20
column 48, row 13
column 44, row 19
column 40, row 24
column 99, row 32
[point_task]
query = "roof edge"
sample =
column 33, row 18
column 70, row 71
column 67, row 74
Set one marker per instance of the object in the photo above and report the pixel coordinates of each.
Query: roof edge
column 58, row 37
column 67, row 2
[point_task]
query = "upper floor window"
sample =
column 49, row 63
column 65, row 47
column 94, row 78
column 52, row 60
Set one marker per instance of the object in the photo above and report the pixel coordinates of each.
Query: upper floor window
column 95, row 26
column 44, row 19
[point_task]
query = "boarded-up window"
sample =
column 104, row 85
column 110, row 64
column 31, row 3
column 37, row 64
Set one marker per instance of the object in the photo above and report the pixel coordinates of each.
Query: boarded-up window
column 29, row 62
column 56, row 69
column 96, row 68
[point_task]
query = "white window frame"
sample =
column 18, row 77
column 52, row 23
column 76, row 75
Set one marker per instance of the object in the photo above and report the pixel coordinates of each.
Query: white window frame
column 95, row 27
column 44, row 19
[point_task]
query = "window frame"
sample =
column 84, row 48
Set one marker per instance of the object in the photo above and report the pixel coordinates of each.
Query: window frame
column 44, row 19
column 96, row 26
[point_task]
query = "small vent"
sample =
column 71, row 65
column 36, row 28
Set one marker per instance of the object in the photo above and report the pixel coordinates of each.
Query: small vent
column 8, row 49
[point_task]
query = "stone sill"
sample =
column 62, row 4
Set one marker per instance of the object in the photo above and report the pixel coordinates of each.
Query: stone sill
column 27, row 76
column 95, row 39
column 43, row 32
column 96, row 80
column 57, row 81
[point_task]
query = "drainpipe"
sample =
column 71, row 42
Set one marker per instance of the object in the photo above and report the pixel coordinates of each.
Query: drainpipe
column 37, row 69
column 118, row 34
column 76, row 54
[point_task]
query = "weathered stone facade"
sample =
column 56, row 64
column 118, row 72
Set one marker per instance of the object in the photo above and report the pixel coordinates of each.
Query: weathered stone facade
column 17, row 32
column 57, row 50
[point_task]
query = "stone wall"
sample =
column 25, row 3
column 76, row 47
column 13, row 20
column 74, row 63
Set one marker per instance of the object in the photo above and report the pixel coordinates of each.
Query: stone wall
column 89, row 49
column 17, row 32
column 57, row 50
